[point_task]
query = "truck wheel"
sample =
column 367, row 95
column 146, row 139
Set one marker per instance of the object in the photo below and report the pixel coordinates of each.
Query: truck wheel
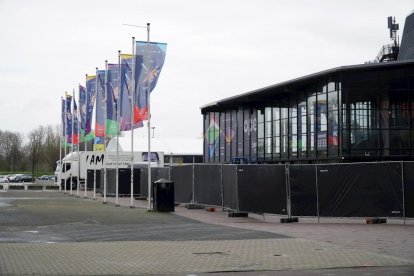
column 73, row 184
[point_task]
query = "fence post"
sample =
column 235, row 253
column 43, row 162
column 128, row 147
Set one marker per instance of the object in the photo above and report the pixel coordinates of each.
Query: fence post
column 287, row 180
column 237, row 189
column 192, row 186
column 222, row 187
column 317, row 190
column 403, row 190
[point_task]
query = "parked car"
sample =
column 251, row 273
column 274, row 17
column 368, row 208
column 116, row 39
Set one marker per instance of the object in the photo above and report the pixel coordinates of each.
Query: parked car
column 13, row 177
column 47, row 177
column 3, row 179
column 24, row 178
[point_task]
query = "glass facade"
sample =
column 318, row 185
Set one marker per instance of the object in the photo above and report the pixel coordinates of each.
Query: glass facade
column 340, row 116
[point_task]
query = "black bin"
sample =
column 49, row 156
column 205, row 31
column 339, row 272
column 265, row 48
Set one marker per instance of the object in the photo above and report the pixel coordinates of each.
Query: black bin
column 163, row 194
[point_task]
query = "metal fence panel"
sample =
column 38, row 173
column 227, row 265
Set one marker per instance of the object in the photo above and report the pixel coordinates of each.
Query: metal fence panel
column 303, row 190
column 230, row 187
column 156, row 174
column 182, row 176
column 360, row 190
column 207, row 184
column 91, row 174
column 409, row 189
column 124, row 182
column 262, row 188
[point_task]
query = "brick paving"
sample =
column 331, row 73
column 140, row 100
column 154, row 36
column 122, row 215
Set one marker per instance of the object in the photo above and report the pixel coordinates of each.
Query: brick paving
column 29, row 221
column 161, row 257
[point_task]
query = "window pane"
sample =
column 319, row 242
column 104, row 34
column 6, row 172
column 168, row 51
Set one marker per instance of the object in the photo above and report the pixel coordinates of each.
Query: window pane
column 233, row 134
column 268, row 114
column 268, row 147
column 240, row 133
column 332, row 101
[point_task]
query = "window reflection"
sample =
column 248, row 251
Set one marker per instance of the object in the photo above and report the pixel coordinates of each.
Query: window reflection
column 358, row 117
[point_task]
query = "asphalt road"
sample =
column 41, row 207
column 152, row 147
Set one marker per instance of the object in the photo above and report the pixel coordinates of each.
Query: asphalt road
column 51, row 233
column 28, row 216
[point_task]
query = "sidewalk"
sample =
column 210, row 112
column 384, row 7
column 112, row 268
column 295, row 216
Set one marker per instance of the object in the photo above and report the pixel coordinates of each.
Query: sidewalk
column 48, row 219
column 394, row 238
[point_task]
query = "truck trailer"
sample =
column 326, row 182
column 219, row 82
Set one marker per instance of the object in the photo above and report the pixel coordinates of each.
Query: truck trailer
column 74, row 167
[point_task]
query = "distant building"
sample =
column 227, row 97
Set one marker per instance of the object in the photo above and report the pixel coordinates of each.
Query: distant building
column 346, row 114
column 177, row 151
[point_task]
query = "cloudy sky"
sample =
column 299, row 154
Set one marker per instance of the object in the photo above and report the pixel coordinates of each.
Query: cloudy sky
column 216, row 49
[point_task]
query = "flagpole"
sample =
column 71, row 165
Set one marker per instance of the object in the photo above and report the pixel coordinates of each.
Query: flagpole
column 94, row 170
column 77, row 147
column 149, row 117
column 60, row 144
column 73, row 121
column 118, row 130
column 132, row 123
column 105, row 115
column 84, row 139
column 66, row 123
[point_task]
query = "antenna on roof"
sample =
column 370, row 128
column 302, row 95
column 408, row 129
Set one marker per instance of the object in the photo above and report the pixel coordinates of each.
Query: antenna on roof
column 389, row 52
column 394, row 27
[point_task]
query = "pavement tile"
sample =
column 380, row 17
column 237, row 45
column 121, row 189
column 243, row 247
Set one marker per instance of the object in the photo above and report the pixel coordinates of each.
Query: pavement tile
column 162, row 257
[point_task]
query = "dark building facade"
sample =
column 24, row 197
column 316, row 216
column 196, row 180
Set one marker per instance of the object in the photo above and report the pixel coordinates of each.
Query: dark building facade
column 407, row 42
column 353, row 113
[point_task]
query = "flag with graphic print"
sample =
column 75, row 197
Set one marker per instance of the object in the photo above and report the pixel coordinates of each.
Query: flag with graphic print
column 111, row 99
column 75, row 134
column 90, row 102
column 126, row 90
column 148, row 76
column 100, row 104
column 68, row 114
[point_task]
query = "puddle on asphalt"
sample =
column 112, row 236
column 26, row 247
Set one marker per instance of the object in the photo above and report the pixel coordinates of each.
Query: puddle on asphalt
column 3, row 204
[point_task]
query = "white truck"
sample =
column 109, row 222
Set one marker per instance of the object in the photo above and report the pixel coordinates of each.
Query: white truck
column 77, row 164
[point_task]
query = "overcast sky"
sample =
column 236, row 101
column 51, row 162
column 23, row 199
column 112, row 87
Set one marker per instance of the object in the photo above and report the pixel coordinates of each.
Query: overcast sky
column 216, row 49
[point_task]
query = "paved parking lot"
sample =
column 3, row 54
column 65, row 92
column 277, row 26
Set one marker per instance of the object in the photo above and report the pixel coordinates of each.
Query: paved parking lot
column 52, row 233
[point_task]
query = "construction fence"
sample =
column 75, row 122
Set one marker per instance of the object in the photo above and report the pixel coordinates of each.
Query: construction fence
column 382, row 189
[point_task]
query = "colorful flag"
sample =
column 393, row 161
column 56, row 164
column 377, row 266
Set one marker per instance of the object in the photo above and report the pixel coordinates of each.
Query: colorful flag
column 90, row 100
column 63, row 116
column 126, row 93
column 75, row 135
column 62, row 136
column 82, row 105
column 82, row 109
column 100, row 105
column 111, row 99
column 148, row 76
column 68, row 119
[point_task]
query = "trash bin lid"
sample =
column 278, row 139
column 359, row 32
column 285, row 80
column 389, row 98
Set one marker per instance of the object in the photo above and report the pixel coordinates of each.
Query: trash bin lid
column 162, row 180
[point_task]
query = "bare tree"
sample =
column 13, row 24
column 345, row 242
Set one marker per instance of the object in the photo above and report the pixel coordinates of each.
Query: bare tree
column 51, row 146
column 36, row 138
column 11, row 150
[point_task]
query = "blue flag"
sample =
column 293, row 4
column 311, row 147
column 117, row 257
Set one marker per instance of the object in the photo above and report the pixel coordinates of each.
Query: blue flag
column 148, row 76
column 68, row 119
column 126, row 92
column 90, row 99
column 75, row 134
column 82, row 105
column 111, row 99
column 100, row 105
